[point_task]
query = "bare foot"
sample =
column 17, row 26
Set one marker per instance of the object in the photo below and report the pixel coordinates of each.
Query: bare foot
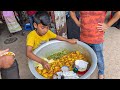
column 100, row 76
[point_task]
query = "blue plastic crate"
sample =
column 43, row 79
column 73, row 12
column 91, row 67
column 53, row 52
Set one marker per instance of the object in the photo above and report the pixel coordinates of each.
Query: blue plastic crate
column 27, row 27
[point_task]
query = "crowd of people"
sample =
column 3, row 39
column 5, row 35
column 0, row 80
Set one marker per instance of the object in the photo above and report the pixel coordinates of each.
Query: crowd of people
column 88, row 27
column 16, row 20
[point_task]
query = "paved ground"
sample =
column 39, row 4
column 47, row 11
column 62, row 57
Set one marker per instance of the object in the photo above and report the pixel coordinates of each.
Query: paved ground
column 18, row 48
column 111, row 53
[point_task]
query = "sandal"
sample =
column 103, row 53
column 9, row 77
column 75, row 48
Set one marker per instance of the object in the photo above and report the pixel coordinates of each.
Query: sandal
column 10, row 40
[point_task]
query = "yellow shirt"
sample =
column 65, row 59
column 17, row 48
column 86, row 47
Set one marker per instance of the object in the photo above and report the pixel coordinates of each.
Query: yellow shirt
column 34, row 40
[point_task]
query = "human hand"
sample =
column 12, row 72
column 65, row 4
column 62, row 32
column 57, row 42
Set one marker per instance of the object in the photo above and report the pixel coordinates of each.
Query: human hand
column 72, row 41
column 45, row 65
column 6, row 61
column 102, row 27
column 3, row 51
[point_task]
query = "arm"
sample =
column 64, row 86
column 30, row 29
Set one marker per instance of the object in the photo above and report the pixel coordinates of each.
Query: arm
column 54, row 36
column 73, row 16
column 32, row 56
column 72, row 41
column 103, row 26
column 114, row 19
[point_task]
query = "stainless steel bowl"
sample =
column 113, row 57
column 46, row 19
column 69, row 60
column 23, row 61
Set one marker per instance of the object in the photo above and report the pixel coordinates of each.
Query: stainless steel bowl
column 54, row 46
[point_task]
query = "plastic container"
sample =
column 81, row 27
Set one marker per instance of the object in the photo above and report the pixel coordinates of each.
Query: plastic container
column 27, row 27
column 81, row 65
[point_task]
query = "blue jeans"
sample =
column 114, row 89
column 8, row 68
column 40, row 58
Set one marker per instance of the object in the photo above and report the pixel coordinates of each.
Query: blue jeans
column 31, row 21
column 98, row 48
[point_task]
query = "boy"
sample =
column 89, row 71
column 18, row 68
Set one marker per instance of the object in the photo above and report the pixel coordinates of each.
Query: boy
column 90, row 35
column 40, row 35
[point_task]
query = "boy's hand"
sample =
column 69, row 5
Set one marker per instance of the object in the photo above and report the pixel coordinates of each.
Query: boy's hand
column 45, row 65
column 102, row 27
column 72, row 41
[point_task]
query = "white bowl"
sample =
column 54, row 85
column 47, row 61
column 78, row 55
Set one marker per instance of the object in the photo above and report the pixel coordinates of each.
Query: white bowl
column 54, row 46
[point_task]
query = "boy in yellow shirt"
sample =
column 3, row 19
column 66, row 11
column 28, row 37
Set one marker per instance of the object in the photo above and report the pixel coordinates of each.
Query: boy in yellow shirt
column 40, row 35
